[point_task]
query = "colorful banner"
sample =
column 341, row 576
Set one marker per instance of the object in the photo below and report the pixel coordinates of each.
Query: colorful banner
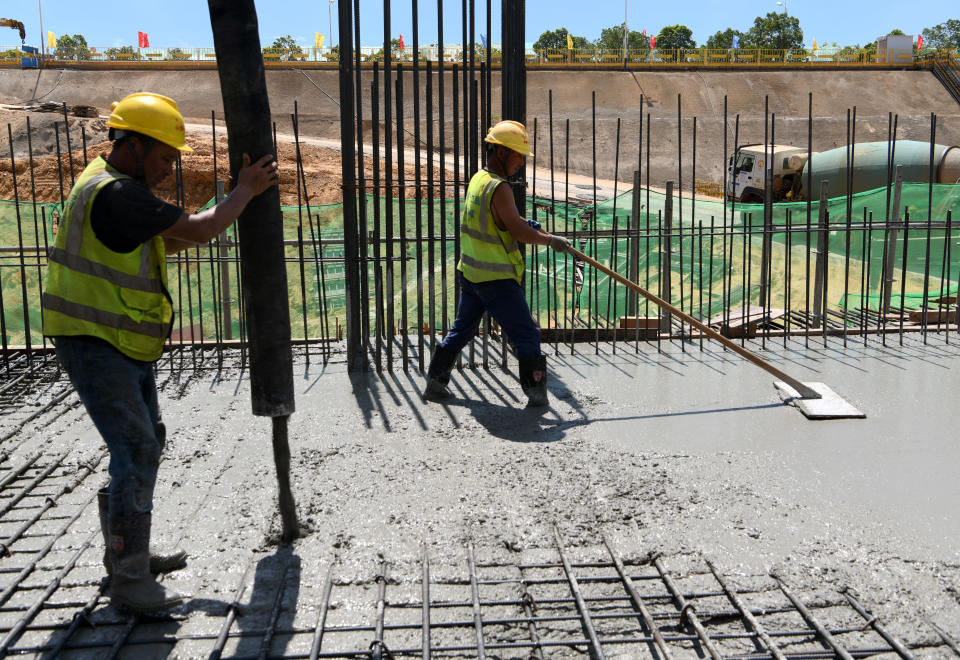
column 143, row 41
column 919, row 41
column 318, row 40
column 401, row 43
column 569, row 42
column 51, row 39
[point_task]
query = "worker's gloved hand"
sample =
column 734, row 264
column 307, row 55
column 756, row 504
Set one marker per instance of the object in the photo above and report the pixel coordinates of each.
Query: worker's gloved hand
column 560, row 244
column 536, row 225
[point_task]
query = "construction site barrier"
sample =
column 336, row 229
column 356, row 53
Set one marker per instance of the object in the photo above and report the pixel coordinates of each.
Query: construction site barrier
column 709, row 255
column 584, row 58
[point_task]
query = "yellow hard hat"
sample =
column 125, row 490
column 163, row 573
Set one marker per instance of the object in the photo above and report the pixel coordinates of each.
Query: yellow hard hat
column 150, row 114
column 510, row 134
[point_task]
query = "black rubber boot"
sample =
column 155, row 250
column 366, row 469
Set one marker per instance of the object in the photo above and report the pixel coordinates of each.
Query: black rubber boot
column 131, row 583
column 533, row 380
column 158, row 563
column 438, row 375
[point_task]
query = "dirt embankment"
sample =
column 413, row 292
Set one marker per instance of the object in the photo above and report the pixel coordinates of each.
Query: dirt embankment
column 321, row 167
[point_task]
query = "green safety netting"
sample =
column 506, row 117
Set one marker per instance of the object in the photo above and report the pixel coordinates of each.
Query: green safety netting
column 714, row 259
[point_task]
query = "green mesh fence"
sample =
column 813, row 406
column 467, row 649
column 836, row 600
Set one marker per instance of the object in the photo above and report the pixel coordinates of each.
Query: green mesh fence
column 715, row 251
column 714, row 258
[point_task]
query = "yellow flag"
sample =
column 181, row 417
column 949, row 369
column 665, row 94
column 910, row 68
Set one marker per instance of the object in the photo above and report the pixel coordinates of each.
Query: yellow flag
column 51, row 39
column 814, row 44
column 318, row 40
column 569, row 42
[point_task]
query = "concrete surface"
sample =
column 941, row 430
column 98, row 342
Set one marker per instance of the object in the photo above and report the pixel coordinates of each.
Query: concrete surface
column 672, row 453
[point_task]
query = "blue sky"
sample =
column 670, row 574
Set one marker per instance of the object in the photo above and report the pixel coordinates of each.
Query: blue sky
column 186, row 23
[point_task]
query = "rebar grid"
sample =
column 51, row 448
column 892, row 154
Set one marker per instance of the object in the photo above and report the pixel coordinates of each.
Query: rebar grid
column 561, row 601
column 386, row 283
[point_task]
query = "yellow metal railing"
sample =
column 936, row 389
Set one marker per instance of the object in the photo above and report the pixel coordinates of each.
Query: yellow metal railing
column 562, row 58
column 705, row 57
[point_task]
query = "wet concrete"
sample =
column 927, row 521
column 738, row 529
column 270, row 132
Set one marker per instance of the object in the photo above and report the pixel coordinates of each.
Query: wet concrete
column 684, row 454
column 896, row 468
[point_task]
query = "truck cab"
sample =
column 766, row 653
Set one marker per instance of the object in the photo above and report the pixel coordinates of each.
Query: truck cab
column 748, row 169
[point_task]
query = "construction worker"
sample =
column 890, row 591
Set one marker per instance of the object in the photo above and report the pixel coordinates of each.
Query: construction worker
column 491, row 267
column 107, row 309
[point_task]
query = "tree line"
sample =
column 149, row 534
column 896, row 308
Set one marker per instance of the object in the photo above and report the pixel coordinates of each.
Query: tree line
column 775, row 30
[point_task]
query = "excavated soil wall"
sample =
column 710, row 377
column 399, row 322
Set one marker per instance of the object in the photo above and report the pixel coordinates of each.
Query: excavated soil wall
column 911, row 95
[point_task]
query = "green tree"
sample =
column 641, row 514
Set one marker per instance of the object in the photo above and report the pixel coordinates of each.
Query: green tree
column 72, row 47
column 284, row 46
column 944, row 35
column 676, row 36
column 611, row 38
column 897, row 32
column 724, row 38
column 121, row 53
column 775, row 30
column 395, row 51
column 557, row 40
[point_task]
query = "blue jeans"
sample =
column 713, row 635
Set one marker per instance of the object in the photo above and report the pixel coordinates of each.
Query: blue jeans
column 505, row 302
column 120, row 395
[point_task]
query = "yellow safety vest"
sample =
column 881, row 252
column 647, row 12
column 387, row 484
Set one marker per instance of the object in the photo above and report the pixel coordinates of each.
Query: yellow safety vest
column 486, row 252
column 92, row 290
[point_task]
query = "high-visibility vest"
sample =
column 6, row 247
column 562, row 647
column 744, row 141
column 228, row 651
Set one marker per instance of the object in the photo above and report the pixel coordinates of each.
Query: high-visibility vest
column 486, row 252
column 92, row 290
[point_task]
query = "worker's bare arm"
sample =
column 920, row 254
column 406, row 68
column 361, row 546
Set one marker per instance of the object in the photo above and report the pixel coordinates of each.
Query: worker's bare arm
column 203, row 227
column 173, row 245
column 507, row 217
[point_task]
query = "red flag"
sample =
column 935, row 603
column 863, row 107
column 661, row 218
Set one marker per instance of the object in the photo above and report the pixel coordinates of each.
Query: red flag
column 142, row 40
column 401, row 42
column 919, row 41
column 644, row 33
column 653, row 41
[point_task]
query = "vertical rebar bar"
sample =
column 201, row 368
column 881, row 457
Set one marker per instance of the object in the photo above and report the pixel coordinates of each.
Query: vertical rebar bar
column 586, row 621
column 402, row 212
column 425, row 603
column 320, row 627
column 475, row 592
column 816, row 625
column 687, row 611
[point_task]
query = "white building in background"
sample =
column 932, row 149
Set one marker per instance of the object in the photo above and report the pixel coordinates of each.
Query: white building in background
column 895, row 49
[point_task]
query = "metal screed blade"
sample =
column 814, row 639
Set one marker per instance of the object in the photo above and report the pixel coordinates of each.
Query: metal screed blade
column 829, row 406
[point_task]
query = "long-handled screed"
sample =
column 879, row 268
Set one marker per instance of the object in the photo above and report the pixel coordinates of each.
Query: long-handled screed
column 815, row 400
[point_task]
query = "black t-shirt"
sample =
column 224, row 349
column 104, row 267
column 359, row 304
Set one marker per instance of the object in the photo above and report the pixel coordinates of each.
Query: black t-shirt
column 126, row 214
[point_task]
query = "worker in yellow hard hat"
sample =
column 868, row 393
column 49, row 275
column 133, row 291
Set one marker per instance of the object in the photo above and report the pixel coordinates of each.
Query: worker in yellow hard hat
column 107, row 309
column 491, row 267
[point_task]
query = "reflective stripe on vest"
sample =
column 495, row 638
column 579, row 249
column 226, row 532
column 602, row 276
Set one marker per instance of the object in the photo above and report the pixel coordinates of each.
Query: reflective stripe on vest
column 487, row 252
column 92, row 290
column 102, row 317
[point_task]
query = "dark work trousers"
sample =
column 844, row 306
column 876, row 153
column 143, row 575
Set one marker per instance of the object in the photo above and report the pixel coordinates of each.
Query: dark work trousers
column 505, row 302
column 120, row 395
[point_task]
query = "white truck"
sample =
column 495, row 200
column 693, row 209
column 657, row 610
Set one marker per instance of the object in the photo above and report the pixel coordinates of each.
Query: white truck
column 747, row 167
column 873, row 167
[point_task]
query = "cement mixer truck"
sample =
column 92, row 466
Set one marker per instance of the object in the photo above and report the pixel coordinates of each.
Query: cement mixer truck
column 746, row 170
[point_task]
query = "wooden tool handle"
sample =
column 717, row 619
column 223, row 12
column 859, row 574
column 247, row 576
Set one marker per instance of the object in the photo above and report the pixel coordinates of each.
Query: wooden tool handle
column 804, row 391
